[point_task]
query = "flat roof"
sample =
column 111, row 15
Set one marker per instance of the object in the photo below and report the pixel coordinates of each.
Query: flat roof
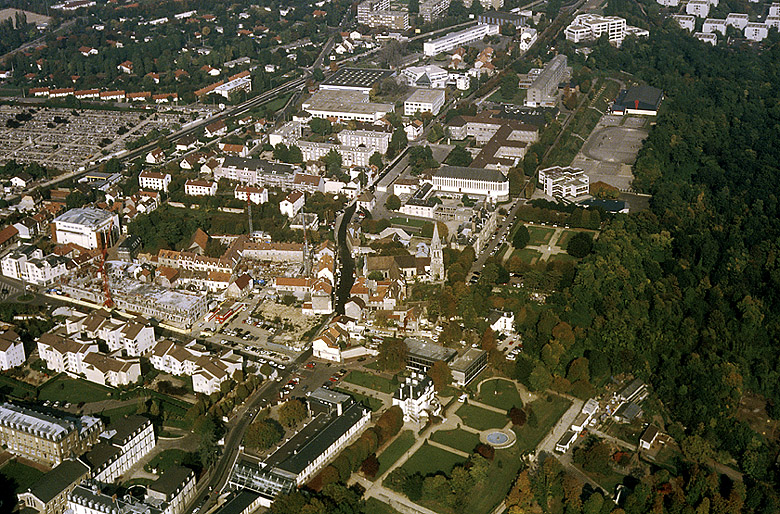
column 646, row 97
column 261, row 165
column 425, row 95
column 463, row 362
column 357, row 77
column 328, row 396
column 344, row 101
column 431, row 351
column 461, row 172
column 87, row 216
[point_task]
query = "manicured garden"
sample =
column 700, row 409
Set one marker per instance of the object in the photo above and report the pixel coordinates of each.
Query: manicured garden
column 539, row 235
column 527, row 255
column 66, row 389
column 481, row 419
column 501, row 394
column 429, row 460
column 393, row 452
column 458, row 439
column 369, row 381
column 545, row 415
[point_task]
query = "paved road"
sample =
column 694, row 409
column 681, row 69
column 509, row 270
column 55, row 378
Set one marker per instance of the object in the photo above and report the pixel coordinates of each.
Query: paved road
column 503, row 230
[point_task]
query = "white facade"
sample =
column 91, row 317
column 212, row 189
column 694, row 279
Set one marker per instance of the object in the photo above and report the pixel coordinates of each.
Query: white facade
column 133, row 338
column 737, row 20
column 669, row 3
column 437, row 77
column 472, row 181
column 29, row 264
column 207, row 371
column 87, row 227
column 154, row 180
column 200, row 188
column 417, row 398
column 257, row 195
column 64, row 355
column 11, row 352
column 292, row 204
column 564, row 182
column 504, row 322
column 350, row 155
column 773, row 21
column 424, row 100
column 587, row 27
column 344, row 105
column 373, row 140
column 698, row 8
column 685, row 22
column 460, row 38
column 714, row 25
column 756, row 31
column 132, row 447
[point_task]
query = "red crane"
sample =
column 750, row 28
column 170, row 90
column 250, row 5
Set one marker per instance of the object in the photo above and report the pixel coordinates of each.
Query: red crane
column 106, row 289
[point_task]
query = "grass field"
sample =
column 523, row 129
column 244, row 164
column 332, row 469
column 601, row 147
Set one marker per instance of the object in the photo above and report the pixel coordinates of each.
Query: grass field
column 166, row 459
column 458, row 439
column 539, row 235
column 22, row 476
column 374, row 382
column 115, row 415
column 393, row 452
column 562, row 257
column 565, row 236
column 409, row 222
column 429, row 460
column 500, row 394
column 375, row 506
column 547, row 414
column 501, row 475
column 481, row 419
column 278, row 103
column 370, row 402
column 527, row 255
column 75, row 391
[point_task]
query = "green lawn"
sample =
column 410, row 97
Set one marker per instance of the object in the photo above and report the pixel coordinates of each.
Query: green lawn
column 66, row 389
column 278, row 103
column 394, row 450
column 374, row 382
column 562, row 257
column 547, row 414
column 458, row 439
column 481, row 419
column 501, row 476
column 409, row 222
column 518, row 99
column 429, row 460
column 539, row 235
column 166, row 459
column 565, row 236
column 500, row 394
column 115, row 415
column 22, row 476
column 370, row 402
column 375, row 506
column 527, row 255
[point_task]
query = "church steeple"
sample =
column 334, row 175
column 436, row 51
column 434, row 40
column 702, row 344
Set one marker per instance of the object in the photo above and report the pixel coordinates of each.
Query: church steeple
column 437, row 255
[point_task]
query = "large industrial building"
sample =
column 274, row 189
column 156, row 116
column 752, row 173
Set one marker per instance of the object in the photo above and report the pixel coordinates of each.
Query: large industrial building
column 87, row 227
column 355, row 79
column 460, row 38
column 345, row 105
column 458, row 181
column 544, row 90
column 643, row 100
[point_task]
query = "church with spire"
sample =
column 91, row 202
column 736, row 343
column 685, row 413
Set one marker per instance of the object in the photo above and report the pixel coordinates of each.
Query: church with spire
column 437, row 256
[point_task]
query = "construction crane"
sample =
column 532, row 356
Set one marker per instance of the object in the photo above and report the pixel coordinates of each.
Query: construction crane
column 108, row 302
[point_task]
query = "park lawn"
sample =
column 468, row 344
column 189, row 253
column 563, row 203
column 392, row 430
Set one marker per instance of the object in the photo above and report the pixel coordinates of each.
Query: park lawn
column 22, row 476
column 66, row 389
column 539, row 235
column 501, row 476
column 409, row 222
column 429, row 460
column 116, row 415
column 481, row 419
column 375, row 506
column 565, row 236
column 369, row 401
column 500, row 394
column 166, row 459
column 547, row 414
column 458, row 439
column 527, row 255
column 394, row 450
column 374, row 382
column 562, row 257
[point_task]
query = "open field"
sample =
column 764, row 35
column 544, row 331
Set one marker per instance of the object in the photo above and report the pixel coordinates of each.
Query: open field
column 481, row 419
column 374, row 382
column 547, row 414
column 500, row 394
column 65, row 389
column 457, row 439
column 393, row 452
column 429, row 460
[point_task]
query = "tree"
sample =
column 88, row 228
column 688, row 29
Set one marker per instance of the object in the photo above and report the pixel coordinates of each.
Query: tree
column 459, row 157
column 435, row 133
column 393, row 203
column 318, row 75
column 376, row 160
column 281, row 152
column 320, row 126
column 509, row 86
column 392, row 354
column 517, row 416
column 291, row 413
column 521, row 237
column 332, row 162
column 295, row 156
column 580, row 244
column 397, row 143
column 263, row 434
column 440, row 374
column 370, row 466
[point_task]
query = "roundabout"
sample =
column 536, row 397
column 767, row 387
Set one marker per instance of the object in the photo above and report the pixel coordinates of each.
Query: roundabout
column 498, row 438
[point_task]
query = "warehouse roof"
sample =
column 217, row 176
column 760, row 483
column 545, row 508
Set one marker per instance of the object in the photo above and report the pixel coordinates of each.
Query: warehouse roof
column 357, row 77
column 470, row 173
column 87, row 216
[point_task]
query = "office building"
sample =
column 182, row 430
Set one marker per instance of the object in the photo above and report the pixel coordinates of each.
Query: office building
column 421, row 355
column 430, row 76
column 49, row 494
column 87, row 227
column 466, row 367
column 46, row 438
column 502, row 18
column 460, row 38
column 544, row 89
column 345, row 105
column 457, row 181
column 589, row 27
column 424, row 100
column 430, row 10
column 561, row 182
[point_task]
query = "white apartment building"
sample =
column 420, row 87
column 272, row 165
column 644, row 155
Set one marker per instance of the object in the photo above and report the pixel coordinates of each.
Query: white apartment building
column 154, row 180
column 121, row 446
column 64, row 355
column 111, row 371
column 239, row 83
column 714, row 25
column 756, row 31
column 459, row 38
column 29, row 264
column 287, row 133
column 370, row 139
column 87, row 227
column 133, row 338
column 457, row 180
column 197, row 187
column 432, row 9
column 11, row 351
column 424, row 100
column 417, row 398
column 544, row 88
column 669, row 3
column 430, row 76
column 344, row 105
column 256, row 195
column 564, row 182
column 589, row 27
column 737, row 20
column 207, row 371
column 292, row 204
column 350, row 155
column 685, row 22
column 176, row 487
column 698, row 8
column 773, row 21
column 710, row 38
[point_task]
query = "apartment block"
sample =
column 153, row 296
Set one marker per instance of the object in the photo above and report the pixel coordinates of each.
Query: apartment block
column 430, row 10
column 459, row 38
column 424, row 100
column 561, row 182
column 154, row 180
column 207, row 371
column 29, row 264
column 544, row 89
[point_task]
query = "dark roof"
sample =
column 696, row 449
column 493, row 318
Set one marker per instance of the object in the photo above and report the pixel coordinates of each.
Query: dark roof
column 470, row 173
column 239, row 502
column 127, row 426
column 643, row 97
column 313, row 439
column 171, row 480
column 430, row 351
column 100, row 454
column 57, row 480
column 258, row 164
column 131, row 242
column 506, row 16
column 413, row 388
column 357, row 77
column 628, row 411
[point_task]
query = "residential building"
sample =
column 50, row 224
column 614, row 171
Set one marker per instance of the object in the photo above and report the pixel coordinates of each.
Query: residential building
column 129, row 248
column 176, row 487
column 292, row 204
column 502, row 18
column 218, row 128
column 87, row 227
column 373, row 140
column 737, row 20
column 460, row 38
column 120, row 447
column 457, row 181
column 350, row 155
column 566, row 182
column 669, row 3
column 242, row 501
column 345, row 105
column 198, row 187
column 87, row 498
column 46, row 438
column 698, row 8
column 544, row 89
column 636, row 390
column 589, row 27
column 774, row 9
column 686, row 22
column 714, row 25
column 565, row 441
column 241, row 82
column 132, row 337
column 256, row 195
column 417, row 398
column 756, row 31
column 29, row 264
column 392, row 20
column 649, row 437
column 256, row 172
column 154, row 180
column 207, row 371
column 49, row 494
column 501, row 322
column 62, row 354
column 706, row 38
column 156, row 156
column 430, row 10
column 111, row 371
column 329, row 345
column 466, row 367
column 424, row 100
column 366, row 201
column 11, row 350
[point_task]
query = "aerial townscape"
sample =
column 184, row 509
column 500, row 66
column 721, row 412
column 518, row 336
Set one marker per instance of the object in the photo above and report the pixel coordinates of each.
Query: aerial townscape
column 390, row 257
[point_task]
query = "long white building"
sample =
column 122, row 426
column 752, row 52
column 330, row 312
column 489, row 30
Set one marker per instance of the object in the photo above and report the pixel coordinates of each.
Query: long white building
column 424, row 100
column 459, row 38
column 122, row 445
column 350, row 155
column 28, row 263
column 589, row 27
column 87, row 227
column 458, row 181
column 544, row 89
column 345, row 106
column 564, row 182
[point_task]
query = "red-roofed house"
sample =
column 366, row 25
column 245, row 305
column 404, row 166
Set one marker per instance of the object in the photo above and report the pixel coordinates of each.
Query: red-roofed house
column 292, row 204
